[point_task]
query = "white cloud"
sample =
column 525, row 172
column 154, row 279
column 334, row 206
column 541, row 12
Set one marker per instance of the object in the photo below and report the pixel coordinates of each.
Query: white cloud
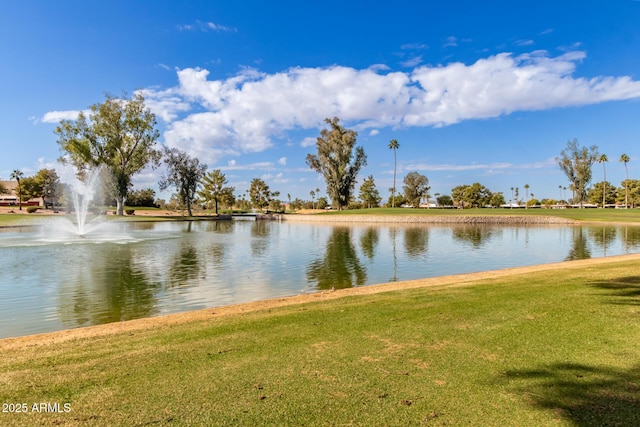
column 374, row 132
column 279, row 179
column 490, row 167
column 524, row 42
column 56, row 116
column 213, row 118
column 165, row 104
column 233, row 166
column 412, row 62
column 205, row 26
column 449, row 167
column 414, row 46
column 308, row 142
column 451, row 42
column 282, row 161
column 218, row 27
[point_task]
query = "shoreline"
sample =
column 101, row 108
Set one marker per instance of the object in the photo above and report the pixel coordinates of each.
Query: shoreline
column 434, row 219
column 213, row 313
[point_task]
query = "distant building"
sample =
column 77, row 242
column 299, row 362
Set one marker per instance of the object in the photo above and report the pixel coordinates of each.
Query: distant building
column 10, row 197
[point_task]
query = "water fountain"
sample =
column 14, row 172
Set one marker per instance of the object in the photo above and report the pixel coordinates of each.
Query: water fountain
column 84, row 225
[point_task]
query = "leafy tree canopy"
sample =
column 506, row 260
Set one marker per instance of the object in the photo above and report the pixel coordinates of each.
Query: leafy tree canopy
column 118, row 134
column 184, row 173
column 338, row 160
column 416, row 187
column 214, row 190
column 369, row 193
column 45, row 184
column 142, row 198
column 576, row 162
column 260, row 194
column 474, row 195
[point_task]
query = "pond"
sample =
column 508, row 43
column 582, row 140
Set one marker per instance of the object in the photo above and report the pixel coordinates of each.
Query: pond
column 150, row 269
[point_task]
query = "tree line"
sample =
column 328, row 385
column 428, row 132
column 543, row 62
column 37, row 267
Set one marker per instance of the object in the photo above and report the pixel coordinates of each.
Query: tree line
column 120, row 137
column 577, row 162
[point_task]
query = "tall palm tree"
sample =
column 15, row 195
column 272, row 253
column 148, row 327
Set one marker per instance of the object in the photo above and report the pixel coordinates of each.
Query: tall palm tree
column 604, row 159
column 625, row 159
column 394, row 145
column 17, row 175
column 526, row 189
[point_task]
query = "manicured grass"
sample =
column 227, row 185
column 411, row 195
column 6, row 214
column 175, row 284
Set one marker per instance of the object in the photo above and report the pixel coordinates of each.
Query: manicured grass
column 585, row 215
column 557, row 347
column 600, row 215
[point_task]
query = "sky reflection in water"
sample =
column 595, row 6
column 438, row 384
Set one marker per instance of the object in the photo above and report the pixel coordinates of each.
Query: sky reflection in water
column 161, row 268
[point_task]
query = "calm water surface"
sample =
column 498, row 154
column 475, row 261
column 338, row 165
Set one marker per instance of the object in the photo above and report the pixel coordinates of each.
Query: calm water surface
column 151, row 269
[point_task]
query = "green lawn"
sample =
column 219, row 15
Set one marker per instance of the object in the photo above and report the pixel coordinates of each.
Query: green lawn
column 605, row 215
column 586, row 215
column 557, row 347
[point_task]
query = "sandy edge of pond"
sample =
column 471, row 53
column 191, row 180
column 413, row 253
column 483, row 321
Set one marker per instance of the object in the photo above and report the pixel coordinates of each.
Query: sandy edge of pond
column 216, row 312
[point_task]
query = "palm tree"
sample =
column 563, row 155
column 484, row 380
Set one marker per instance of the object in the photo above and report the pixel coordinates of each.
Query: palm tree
column 394, row 145
column 603, row 159
column 625, row 159
column 17, row 175
column 526, row 189
column 561, row 193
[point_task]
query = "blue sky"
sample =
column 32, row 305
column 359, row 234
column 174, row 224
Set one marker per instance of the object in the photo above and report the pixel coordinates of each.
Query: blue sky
column 485, row 92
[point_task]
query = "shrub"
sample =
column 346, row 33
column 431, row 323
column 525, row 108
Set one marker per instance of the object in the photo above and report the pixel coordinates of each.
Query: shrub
column 130, row 212
column 32, row 209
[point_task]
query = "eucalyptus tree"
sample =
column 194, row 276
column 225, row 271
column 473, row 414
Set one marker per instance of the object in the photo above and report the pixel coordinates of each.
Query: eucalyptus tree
column 416, row 187
column 394, row 145
column 603, row 159
column 118, row 134
column 184, row 173
column 625, row 159
column 576, row 163
column 338, row 160
column 18, row 175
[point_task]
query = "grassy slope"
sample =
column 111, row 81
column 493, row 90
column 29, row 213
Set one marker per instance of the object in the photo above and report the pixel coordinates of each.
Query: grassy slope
column 557, row 347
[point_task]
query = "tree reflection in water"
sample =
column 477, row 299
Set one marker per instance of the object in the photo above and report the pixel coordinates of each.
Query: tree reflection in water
column 477, row 235
column 108, row 288
column 579, row 249
column 185, row 267
column 260, row 237
column 369, row 241
column 340, row 267
column 416, row 240
column 602, row 236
